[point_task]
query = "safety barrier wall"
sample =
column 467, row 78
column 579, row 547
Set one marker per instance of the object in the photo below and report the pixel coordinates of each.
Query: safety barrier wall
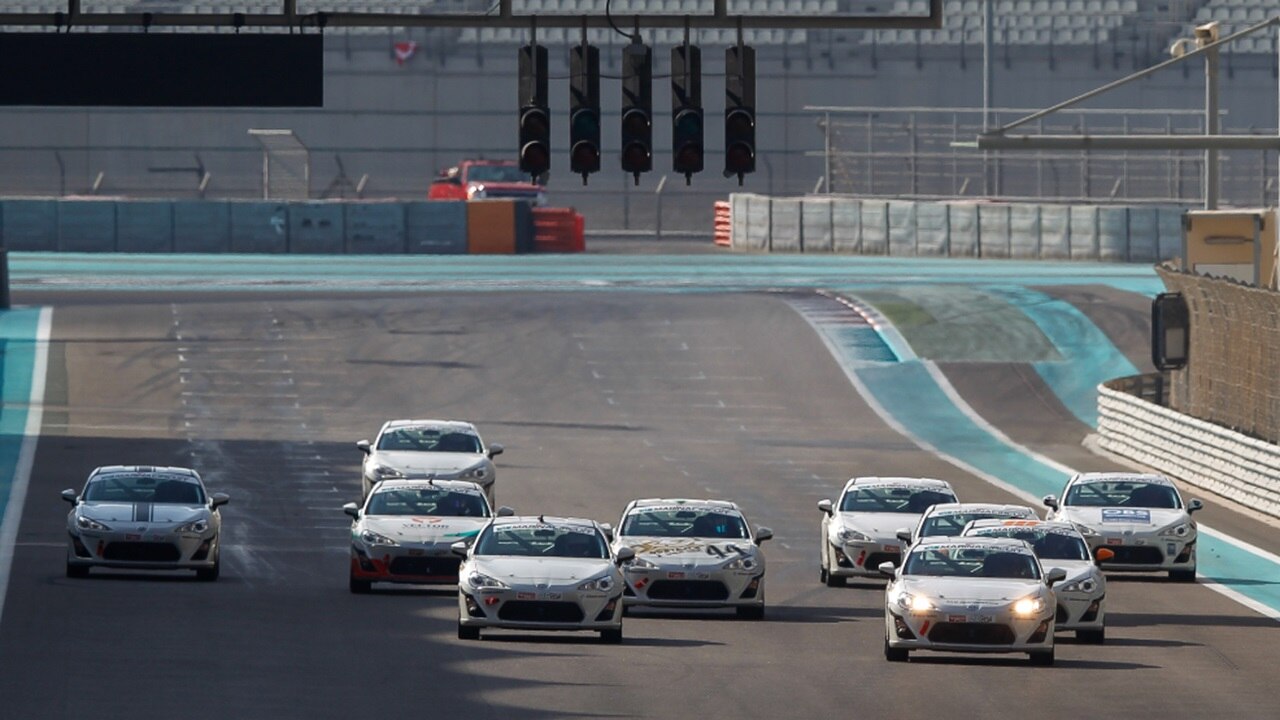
column 325, row 227
column 1026, row 231
column 1197, row 452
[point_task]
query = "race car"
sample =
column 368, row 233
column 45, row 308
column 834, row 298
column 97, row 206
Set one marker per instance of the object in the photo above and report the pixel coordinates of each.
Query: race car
column 141, row 517
column 1060, row 545
column 949, row 519
column 860, row 531
column 1140, row 518
column 692, row 554
column 541, row 573
column 421, row 449
column 404, row 531
column 970, row 594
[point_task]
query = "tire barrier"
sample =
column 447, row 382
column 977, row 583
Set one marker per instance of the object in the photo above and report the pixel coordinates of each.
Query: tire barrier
column 558, row 230
column 1027, row 231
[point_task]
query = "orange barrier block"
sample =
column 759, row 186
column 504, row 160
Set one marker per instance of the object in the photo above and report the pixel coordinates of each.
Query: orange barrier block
column 723, row 224
column 558, row 230
column 491, row 227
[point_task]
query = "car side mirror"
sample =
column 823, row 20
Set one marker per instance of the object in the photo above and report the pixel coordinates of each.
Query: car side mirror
column 1102, row 555
column 70, row 496
column 904, row 536
column 495, row 450
column 624, row 554
column 762, row 534
column 1194, row 505
column 505, row 511
column 352, row 509
column 1050, row 502
column 364, row 446
column 1055, row 576
column 887, row 568
column 459, row 548
column 217, row 500
column 825, row 506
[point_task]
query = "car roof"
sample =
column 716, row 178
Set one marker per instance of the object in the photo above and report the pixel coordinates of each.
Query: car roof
column 544, row 520
column 921, row 482
column 1019, row 522
column 169, row 471
column 685, row 502
column 1121, row 477
column 952, row 508
column 432, row 482
column 442, row 424
column 1012, row 544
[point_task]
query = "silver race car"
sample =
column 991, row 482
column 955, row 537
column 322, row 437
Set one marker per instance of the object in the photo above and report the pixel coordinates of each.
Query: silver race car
column 692, row 554
column 970, row 594
column 404, row 531
column 541, row 573
column 144, row 518
column 1140, row 518
column 950, row 519
column 421, row 449
column 859, row 531
column 1060, row 545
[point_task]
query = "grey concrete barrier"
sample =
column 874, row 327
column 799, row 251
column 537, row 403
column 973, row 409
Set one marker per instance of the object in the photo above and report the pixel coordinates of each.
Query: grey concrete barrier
column 816, row 228
column 785, row 225
column 201, row 226
column 86, row 225
column 759, row 224
column 29, row 225
column 144, row 226
column 1055, row 232
column 1024, row 231
column 1144, row 234
column 1113, row 234
column 259, row 227
column 933, row 229
column 316, row 228
column 993, row 231
column 374, row 228
column 846, row 225
column 875, row 227
column 962, row 224
column 902, row 227
column 436, row 228
column 1084, row 240
column 738, row 218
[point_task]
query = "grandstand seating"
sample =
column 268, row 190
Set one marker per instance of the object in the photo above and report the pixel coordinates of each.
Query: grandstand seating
column 1234, row 16
column 1018, row 22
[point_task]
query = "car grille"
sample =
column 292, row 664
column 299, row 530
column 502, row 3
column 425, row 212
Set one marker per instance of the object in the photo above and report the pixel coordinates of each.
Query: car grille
column 1135, row 555
column 540, row 611
column 971, row 634
column 426, row 566
column 1062, row 616
column 874, row 559
column 688, row 590
column 141, row 552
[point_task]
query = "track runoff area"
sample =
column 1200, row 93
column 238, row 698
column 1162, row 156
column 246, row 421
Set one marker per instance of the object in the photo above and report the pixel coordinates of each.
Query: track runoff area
column 606, row 381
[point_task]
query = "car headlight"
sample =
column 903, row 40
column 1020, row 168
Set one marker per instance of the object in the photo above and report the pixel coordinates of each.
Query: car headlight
column 386, row 472
column 639, row 562
column 195, row 526
column 600, row 584
column 85, row 523
column 1085, row 530
column 374, row 538
column 915, row 603
column 1028, row 607
column 848, row 536
column 479, row 580
column 1180, row 530
column 478, row 473
column 745, row 562
column 1087, row 586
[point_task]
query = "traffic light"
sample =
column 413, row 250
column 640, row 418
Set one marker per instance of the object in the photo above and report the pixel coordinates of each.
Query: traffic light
column 739, row 111
column 584, row 110
column 637, row 109
column 686, row 110
column 535, row 117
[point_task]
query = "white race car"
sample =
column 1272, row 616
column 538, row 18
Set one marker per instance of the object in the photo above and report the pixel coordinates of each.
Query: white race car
column 950, row 519
column 1060, row 545
column 421, row 449
column 1140, row 518
column 144, row 518
column 541, row 573
column 405, row 530
column 970, row 594
column 860, row 530
column 692, row 554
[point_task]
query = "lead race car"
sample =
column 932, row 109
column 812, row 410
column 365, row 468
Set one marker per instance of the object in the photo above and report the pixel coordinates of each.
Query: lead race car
column 140, row 517
column 1140, row 518
column 404, row 531
column 692, row 554
column 859, row 530
column 421, row 449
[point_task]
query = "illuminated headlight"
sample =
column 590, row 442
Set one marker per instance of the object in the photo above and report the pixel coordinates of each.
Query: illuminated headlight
column 476, row 192
column 600, row 584
column 848, row 536
column 85, row 523
column 1028, row 607
column 746, row 562
column 373, row 538
column 480, row 580
column 1087, row 586
column 1180, row 530
column 915, row 603
column 643, row 564
column 1085, row 530
column 386, row 472
column 195, row 526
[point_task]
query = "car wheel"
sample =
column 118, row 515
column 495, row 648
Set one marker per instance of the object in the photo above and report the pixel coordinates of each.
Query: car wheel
column 468, row 633
column 612, row 637
column 77, row 571
column 209, row 574
column 1042, row 658
column 750, row 612
column 893, row 654
column 1093, row 637
column 1187, row 576
column 360, row 587
column 823, row 574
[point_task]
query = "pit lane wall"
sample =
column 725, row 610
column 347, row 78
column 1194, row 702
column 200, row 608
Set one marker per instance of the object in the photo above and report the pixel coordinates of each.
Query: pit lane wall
column 320, row 227
column 836, row 224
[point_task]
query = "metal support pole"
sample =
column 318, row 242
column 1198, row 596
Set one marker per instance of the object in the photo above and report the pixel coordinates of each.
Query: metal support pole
column 988, row 78
column 1211, row 98
column 657, row 230
column 4, row 278
column 826, row 155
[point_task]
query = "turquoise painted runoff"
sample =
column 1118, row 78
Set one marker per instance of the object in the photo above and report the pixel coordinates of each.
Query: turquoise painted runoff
column 18, row 329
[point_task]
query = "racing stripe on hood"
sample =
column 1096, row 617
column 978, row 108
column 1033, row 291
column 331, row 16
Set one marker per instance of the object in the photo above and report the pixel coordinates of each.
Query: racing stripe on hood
column 142, row 512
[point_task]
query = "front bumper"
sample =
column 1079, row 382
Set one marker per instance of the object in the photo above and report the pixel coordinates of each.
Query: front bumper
column 673, row 586
column 1080, row 611
column 1145, row 553
column 549, row 609
column 425, row 565
column 862, row 559
column 149, row 550
column 988, row 630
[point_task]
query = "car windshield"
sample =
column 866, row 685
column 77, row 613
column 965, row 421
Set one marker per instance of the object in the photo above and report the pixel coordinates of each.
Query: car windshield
column 542, row 540
column 952, row 524
column 496, row 173
column 427, row 501
column 887, row 499
column 429, row 439
column 1047, row 544
column 685, row 522
column 1123, row 493
column 144, row 488
column 971, row 561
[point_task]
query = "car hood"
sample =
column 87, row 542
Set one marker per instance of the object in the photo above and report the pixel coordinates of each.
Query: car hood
column 425, row 529
column 984, row 590
column 668, row 550
column 535, row 570
column 506, row 186
column 1075, row 569
column 1121, row 519
column 879, row 526
column 414, row 462
column 122, row 512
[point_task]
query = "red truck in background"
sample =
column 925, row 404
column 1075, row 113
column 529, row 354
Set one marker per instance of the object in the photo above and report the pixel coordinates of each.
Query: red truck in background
column 480, row 179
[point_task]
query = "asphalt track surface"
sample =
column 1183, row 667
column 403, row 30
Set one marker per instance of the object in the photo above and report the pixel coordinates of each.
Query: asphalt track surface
column 599, row 399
